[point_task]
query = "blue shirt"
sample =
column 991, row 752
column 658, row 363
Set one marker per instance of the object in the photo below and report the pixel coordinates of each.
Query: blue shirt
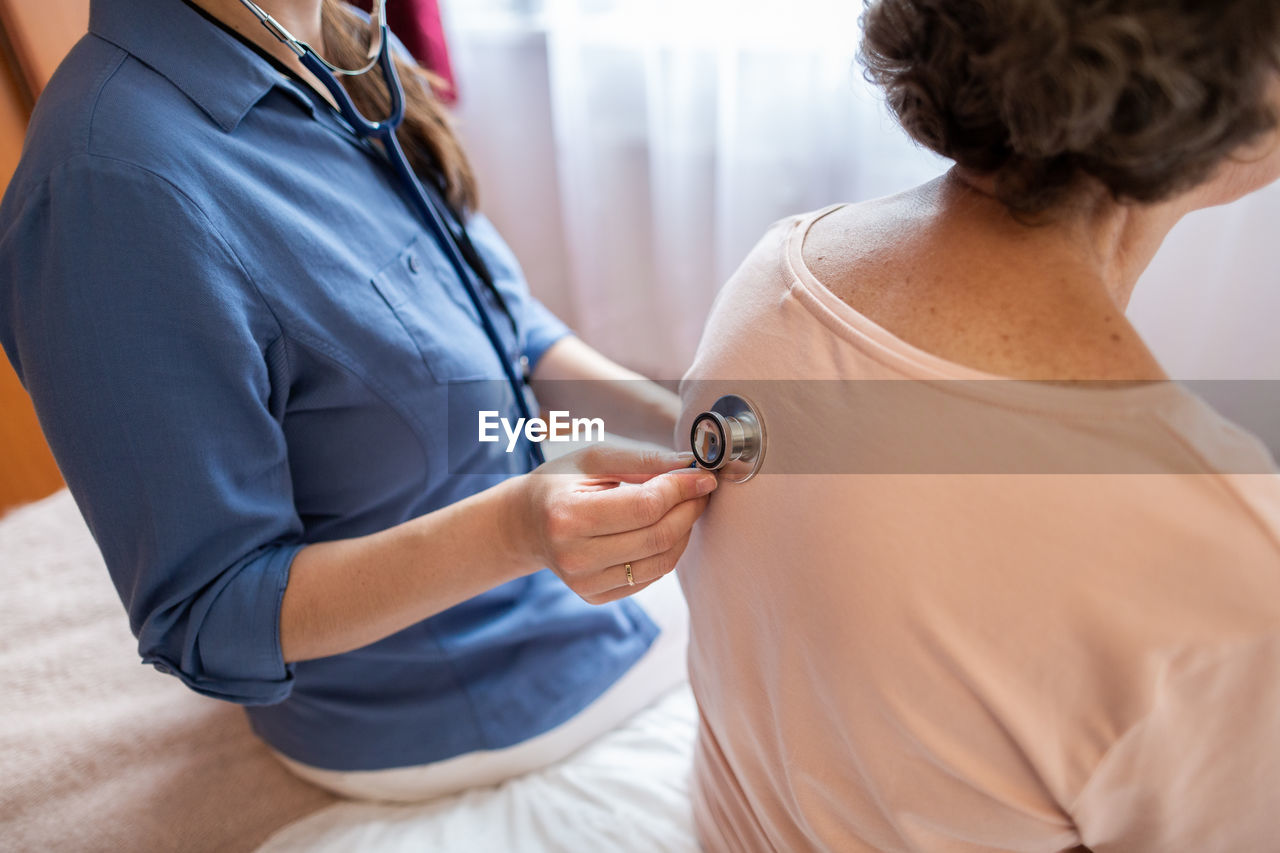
column 239, row 340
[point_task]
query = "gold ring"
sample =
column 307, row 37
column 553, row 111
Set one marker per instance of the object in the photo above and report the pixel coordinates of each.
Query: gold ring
column 630, row 580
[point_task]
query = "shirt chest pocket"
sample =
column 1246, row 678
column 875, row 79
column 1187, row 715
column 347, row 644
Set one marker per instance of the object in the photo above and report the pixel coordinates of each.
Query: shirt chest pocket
column 422, row 290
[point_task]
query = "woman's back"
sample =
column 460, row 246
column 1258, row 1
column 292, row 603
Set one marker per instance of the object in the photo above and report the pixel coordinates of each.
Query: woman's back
column 1013, row 600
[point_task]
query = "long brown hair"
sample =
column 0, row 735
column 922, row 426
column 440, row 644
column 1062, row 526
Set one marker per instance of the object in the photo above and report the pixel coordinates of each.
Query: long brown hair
column 427, row 132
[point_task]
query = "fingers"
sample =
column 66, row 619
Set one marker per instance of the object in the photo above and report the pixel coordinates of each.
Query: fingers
column 615, row 594
column 633, row 507
column 657, row 538
column 630, row 466
column 591, row 558
column 638, row 507
column 644, row 571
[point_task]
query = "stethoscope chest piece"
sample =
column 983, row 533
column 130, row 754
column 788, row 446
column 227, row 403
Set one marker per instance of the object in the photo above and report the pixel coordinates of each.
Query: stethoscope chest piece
column 729, row 439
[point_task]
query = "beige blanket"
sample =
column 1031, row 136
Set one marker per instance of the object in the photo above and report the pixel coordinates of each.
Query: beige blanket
column 98, row 752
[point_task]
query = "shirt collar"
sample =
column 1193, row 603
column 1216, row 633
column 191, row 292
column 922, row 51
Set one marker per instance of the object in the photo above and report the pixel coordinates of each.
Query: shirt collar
column 223, row 77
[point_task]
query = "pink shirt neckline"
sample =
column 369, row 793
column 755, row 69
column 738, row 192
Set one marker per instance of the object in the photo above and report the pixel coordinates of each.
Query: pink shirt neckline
column 1099, row 399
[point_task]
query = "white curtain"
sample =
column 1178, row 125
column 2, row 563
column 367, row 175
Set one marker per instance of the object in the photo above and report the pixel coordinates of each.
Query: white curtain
column 1209, row 304
column 632, row 152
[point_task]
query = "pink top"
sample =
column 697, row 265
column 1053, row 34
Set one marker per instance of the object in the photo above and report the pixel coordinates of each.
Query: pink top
column 974, row 660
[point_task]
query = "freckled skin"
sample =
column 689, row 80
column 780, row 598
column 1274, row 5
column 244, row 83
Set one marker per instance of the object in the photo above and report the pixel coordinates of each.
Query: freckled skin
column 947, row 270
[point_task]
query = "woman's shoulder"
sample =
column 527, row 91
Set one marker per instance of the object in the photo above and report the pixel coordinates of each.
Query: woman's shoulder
column 59, row 125
column 750, row 306
column 101, row 110
column 939, row 282
column 767, row 270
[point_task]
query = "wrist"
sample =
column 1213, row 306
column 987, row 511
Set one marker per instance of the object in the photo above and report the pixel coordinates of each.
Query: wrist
column 516, row 533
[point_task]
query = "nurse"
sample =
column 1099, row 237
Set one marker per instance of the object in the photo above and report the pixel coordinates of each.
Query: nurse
column 253, row 363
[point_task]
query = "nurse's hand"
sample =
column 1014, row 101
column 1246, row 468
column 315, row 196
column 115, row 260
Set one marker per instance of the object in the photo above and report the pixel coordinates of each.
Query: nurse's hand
column 589, row 514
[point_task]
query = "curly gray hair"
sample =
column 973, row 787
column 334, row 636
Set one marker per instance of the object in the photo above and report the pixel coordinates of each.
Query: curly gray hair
column 1147, row 97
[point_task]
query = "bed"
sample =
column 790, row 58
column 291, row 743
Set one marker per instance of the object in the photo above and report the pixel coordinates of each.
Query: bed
column 100, row 753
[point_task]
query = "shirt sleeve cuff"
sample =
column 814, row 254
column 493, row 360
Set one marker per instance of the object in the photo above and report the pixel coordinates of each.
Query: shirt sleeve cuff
column 542, row 330
column 236, row 653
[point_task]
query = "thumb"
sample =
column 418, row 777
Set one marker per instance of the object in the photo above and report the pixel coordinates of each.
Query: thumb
column 631, row 466
column 683, row 484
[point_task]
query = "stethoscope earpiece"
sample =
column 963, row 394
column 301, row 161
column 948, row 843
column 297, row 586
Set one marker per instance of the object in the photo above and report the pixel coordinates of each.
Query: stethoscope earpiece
column 729, row 438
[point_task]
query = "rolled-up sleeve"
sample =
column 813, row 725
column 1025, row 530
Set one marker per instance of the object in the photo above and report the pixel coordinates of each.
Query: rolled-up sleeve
column 542, row 329
column 539, row 327
column 157, row 373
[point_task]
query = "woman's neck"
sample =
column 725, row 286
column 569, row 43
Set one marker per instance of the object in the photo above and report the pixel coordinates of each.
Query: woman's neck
column 302, row 18
column 1099, row 242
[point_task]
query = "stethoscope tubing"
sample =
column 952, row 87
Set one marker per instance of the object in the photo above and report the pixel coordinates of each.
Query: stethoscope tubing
column 428, row 211
column 739, row 429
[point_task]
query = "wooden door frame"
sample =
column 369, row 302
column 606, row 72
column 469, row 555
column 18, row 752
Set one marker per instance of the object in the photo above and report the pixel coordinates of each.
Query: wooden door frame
column 34, row 37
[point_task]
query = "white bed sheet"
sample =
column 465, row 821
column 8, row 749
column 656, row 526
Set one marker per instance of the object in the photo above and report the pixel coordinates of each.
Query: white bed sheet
column 628, row 791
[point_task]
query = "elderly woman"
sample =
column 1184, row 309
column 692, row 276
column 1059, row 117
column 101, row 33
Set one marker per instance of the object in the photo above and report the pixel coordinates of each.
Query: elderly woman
column 1088, row 653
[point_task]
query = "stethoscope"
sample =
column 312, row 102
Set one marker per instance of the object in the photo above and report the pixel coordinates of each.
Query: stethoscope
column 424, row 202
column 730, row 438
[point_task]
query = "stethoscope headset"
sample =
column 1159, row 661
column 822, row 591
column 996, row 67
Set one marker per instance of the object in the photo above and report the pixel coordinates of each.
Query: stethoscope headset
column 466, row 263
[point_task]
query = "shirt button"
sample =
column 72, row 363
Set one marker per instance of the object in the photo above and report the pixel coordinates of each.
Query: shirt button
column 413, row 264
column 162, row 668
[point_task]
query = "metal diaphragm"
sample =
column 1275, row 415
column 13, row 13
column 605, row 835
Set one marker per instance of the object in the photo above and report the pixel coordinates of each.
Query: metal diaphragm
column 729, row 438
